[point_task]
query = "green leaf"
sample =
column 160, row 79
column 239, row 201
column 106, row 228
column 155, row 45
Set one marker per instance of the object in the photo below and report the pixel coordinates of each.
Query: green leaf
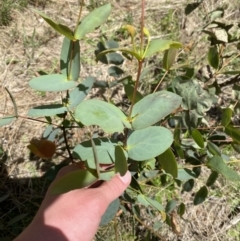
column 232, row 72
column 233, row 132
column 129, row 89
column 185, row 174
column 181, row 209
column 62, row 29
column 17, row 218
column 115, row 71
column 110, row 212
column 213, row 57
column 169, row 58
column 7, row 120
column 214, row 150
column 201, row 195
column 107, row 175
column 170, row 206
column 155, row 204
column 95, row 157
column 70, row 57
column 212, row 178
column 105, row 150
column 142, row 199
column 73, row 180
column 153, row 108
column 126, row 51
column 135, row 185
column 197, row 137
column 111, row 58
column 178, row 149
column 4, row 197
column 160, row 45
column 148, row 143
column 146, row 201
column 217, row 164
column 97, row 112
column 121, row 165
column 93, row 20
column 51, row 82
column 168, row 162
column 236, row 147
column 79, row 93
column 47, row 131
column 236, row 92
column 47, row 110
column 226, row 116
column 188, row 185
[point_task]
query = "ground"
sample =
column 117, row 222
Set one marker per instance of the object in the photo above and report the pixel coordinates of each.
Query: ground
column 28, row 45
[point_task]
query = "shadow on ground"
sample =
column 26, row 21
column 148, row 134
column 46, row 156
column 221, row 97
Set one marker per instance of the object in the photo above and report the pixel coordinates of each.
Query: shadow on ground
column 20, row 198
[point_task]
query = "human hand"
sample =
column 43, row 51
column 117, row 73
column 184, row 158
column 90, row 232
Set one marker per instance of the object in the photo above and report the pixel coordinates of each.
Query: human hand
column 75, row 215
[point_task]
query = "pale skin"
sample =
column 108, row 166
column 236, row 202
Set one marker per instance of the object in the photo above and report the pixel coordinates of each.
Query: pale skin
column 76, row 215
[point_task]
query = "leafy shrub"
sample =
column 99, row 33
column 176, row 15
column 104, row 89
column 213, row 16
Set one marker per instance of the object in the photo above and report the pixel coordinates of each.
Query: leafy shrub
column 155, row 131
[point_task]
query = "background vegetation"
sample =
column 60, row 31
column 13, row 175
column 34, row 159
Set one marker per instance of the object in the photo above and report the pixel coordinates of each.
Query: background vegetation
column 28, row 46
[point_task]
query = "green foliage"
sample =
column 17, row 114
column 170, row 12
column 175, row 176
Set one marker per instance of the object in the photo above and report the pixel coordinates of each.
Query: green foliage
column 5, row 12
column 137, row 138
column 7, row 6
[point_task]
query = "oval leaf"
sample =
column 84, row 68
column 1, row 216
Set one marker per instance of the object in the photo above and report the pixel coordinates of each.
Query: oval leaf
column 129, row 89
column 178, row 149
column 181, row 209
column 168, row 162
column 226, row 116
column 110, row 212
column 213, row 57
column 185, row 174
column 148, row 143
column 93, row 20
column 201, row 195
column 73, row 180
column 79, row 93
column 70, row 58
column 170, row 206
column 212, row 178
column 47, row 110
column 217, row 164
column 52, row 82
column 233, row 72
column 153, row 108
column 115, row 71
column 121, row 165
column 7, row 120
column 107, row 175
column 233, row 132
column 160, row 45
column 197, row 137
column 97, row 112
column 169, row 58
column 105, row 149
column 213, row 149
column 62, row 29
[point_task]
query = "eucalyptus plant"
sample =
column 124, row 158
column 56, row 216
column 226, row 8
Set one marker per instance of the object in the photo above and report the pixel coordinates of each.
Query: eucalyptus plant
column 136, row 138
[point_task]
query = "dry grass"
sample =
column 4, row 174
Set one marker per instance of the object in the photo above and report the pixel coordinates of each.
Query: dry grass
column 28, row 45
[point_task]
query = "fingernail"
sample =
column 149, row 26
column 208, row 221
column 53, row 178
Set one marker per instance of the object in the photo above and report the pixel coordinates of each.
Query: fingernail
column 126, row 178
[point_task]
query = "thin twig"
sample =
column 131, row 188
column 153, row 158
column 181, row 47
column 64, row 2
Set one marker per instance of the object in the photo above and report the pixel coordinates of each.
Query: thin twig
column 161, row 81
column 140, row 63
column 66, row 143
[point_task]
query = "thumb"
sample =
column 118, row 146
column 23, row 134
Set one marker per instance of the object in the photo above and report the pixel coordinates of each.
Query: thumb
column 112, row 189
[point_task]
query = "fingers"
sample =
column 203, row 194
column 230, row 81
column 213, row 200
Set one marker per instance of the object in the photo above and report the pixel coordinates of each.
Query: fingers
column 112, row 189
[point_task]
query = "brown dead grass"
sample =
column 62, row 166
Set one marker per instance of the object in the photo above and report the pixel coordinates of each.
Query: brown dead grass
column 21, row 59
